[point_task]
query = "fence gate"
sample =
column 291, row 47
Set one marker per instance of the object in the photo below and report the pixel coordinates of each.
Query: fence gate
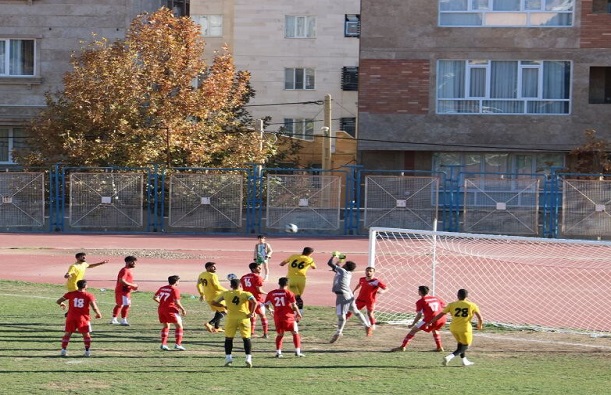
column 401, row 201
column 106, row 200
column 310, row 201
column 501, row 206
column 206, row 200
column 586, row 208
column 22, row 201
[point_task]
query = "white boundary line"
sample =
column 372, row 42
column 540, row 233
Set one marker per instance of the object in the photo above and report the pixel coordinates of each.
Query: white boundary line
column 542, row 341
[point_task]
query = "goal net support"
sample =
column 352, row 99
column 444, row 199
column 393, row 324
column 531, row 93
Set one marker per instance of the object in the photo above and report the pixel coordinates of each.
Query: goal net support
column 516, row 281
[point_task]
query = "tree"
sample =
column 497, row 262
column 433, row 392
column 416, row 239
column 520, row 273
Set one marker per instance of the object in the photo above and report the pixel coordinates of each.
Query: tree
column 592, row 156
column 149, row 98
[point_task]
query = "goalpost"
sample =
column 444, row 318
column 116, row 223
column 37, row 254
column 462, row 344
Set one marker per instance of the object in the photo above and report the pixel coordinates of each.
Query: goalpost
column 516, row 281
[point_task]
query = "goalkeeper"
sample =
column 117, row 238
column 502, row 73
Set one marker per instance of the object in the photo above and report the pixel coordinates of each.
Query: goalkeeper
column 344, row 298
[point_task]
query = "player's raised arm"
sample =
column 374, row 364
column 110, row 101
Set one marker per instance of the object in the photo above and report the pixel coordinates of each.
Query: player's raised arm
column 98, row 264
column 331, row 262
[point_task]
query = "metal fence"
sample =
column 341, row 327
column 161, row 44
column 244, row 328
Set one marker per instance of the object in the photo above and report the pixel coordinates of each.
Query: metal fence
column 258, row 199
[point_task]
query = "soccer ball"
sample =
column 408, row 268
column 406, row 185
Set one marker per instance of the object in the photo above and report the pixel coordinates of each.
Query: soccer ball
column 291, row 228
column 232, row 276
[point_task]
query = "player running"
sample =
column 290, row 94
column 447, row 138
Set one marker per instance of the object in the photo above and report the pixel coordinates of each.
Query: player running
column 286, row 315
column 369, row 287
column 462, row 312
column 77, row 318
column 427, row 307
column 253, row 283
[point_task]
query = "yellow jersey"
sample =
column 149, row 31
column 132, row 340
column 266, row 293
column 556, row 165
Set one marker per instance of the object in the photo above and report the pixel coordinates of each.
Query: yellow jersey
column 237, row 303
column 462, row 312
column 298, row 265
column 76, row 272
column 208, row 286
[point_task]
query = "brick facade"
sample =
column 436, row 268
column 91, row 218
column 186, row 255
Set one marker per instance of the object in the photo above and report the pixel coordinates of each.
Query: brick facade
column 394, row 86
column 595, row 28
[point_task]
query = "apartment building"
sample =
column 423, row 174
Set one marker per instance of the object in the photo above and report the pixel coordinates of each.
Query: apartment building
column 37, row 38
column 484, row 85
column 296, row 52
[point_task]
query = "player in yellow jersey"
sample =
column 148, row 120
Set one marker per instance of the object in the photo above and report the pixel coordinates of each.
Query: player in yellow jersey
column 76, row 271
column 462, row 312
column 241, row 307
column 298, row 266
column 209, row 289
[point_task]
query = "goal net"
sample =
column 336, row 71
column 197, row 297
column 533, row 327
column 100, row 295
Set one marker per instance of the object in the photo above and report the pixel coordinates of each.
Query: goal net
column 516, row 281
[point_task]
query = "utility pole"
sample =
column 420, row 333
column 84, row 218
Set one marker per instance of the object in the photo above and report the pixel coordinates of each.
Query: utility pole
column 327, row 134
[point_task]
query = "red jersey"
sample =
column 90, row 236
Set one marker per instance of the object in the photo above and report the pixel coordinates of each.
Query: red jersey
column 429, row 306
column 126, row 275
column 369, row 289
column 168, row 295
column 281, row 299
column 78, row 304
column 250, row 283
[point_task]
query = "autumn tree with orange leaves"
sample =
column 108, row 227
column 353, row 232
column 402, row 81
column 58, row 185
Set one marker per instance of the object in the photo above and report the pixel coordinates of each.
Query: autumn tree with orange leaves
column 148, row 99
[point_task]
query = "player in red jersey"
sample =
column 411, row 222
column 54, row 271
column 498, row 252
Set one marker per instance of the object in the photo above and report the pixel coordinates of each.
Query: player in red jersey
column 286, row 315
column 169, row 308
column 427, row 307
column 77, row 318
column 370, row 287
column 123, row 291
column 252, row 282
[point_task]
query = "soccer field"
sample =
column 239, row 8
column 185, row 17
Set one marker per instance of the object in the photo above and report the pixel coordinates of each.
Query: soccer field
column 128, row 360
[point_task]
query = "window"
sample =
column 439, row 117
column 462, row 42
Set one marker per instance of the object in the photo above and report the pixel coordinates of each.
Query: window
column 16, row 57
column 299, row 128
column 10, row 139
column 212, row 25
column 299, row 78
column 600, row 85
column 498, row 162
column 497, row 13
column 299, row 26
column 352, row 25
column 350, row 78
column 503, row 87
column 601, row 6
column 179, row 7
column 348, row 125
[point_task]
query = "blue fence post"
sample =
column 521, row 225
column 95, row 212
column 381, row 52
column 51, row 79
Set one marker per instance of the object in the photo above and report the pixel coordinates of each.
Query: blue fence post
column 352, row 205
column 56, row 198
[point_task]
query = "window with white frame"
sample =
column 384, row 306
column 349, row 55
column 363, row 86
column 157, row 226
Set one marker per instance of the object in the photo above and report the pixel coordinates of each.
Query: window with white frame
column 514, row 164
column 17, row 57
column 503, row 87
column 299, row 78
column 212, row 25
column 500, row 13
column 299, row 128
column 10, row 139
column 299, row 26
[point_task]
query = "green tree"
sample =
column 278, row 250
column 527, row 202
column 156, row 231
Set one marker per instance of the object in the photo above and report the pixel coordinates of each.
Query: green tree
column 149, row 98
